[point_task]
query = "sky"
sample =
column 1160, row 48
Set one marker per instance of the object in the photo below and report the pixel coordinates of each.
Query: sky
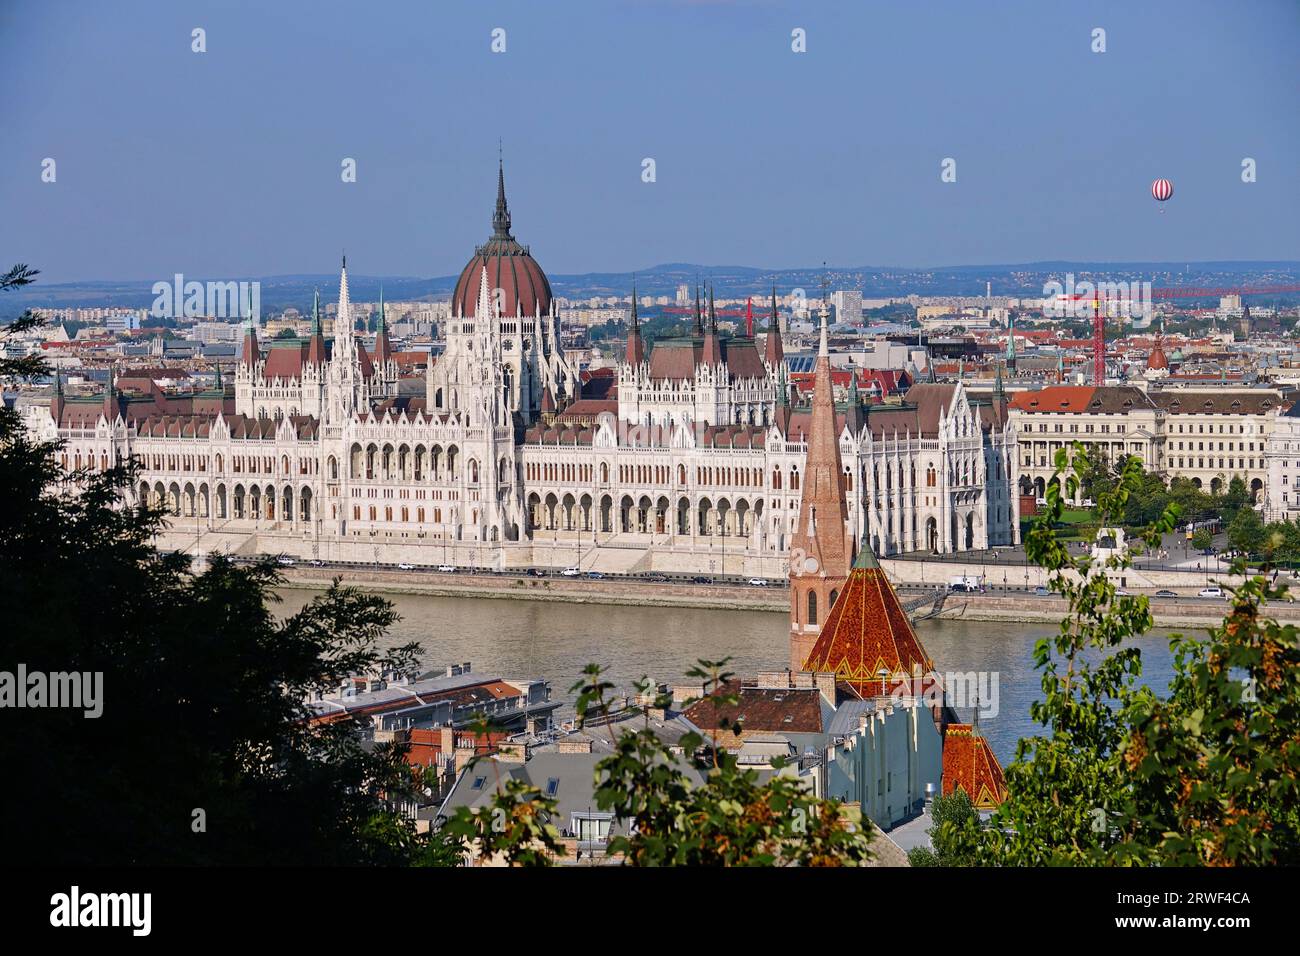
column 228, row 163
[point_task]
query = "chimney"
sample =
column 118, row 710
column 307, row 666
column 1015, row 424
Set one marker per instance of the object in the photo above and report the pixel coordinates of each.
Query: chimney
column 573, row 745
column 512, row 751
column 825, row 682
column 463, row 755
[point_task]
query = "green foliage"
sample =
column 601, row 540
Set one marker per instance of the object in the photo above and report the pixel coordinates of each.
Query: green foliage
column 1124, row 775
column 1202, row 539
column 1215, row 768
column 514, row 827
column 683, row 805
column 203, row 692
column 1246, row 532
column 952, row 816
column 725, row 819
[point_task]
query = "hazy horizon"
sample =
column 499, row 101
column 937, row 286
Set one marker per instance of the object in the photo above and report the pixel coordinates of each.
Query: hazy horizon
column 227, row 163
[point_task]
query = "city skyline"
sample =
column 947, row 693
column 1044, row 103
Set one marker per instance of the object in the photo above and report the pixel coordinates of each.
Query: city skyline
column 763, row 155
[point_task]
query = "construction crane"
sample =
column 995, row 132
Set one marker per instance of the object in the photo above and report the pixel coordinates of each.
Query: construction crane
column 1099, row 320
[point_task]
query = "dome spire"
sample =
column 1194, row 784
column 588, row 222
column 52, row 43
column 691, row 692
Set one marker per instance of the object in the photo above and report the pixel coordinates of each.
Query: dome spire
column 501, row 218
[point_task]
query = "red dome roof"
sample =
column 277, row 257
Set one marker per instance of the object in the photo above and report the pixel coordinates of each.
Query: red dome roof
column 510, row 268
column 1157, row 360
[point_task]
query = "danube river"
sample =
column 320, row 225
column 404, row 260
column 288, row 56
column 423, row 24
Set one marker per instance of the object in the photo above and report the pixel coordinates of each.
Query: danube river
column 554, row 641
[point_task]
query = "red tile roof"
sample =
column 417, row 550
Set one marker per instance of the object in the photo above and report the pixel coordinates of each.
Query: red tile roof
column 969, row 763
column 868, row 631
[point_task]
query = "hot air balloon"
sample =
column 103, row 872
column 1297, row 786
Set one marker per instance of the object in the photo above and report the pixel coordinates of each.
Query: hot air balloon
column 1162, row 189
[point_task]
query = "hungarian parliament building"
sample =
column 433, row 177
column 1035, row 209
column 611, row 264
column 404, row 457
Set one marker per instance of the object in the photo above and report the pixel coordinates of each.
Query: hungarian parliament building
column 512, row 455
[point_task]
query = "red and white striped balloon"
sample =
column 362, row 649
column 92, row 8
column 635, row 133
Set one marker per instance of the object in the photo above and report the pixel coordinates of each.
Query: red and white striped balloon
column 1162, row 189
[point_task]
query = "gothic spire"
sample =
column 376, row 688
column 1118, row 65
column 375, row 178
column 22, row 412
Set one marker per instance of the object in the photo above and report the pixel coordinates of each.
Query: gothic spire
column 773, row 352
column 501, row 217
column 635, row 353
column 699, row 320
column 316, row 344
column 383, row 348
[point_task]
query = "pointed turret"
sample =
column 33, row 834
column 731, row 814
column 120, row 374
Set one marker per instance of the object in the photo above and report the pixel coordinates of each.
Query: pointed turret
column 251, row 353
column 383, row 348
column 635, row 353
column 820, row 548
column 316, row 344
column 773, row 352
column 1011, row 341
column 57, row 403
column 699, row 318
column 1060, row 366
column 712, row 352
column 112, row 404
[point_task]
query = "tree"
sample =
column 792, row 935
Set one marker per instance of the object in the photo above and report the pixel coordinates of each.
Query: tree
column 202, row 752
column 947, row 848
column 1237, row 498
column 1246, row 532
column 1202, row 539
column 1208, row 773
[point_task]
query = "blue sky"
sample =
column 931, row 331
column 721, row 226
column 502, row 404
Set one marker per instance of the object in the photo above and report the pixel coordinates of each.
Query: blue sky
column 227, row 163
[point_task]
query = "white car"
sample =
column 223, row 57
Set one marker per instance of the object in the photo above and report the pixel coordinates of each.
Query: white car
column 447, row 568
column 406, row 567
column 758, row 582
column 285, row 560
column 571, row 572
column 1210, row 592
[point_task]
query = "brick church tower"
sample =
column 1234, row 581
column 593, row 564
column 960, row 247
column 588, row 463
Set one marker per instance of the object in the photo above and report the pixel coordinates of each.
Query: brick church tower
column 821, row 549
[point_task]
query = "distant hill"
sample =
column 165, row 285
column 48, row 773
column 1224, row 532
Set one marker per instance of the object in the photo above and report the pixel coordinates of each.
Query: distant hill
column 1014, row 279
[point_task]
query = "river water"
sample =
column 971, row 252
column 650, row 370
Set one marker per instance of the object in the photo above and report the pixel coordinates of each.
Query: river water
column 554, row 641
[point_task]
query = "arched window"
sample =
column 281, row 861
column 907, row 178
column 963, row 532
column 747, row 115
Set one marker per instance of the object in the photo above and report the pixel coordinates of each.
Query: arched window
column 834, row 595
column 812, row 607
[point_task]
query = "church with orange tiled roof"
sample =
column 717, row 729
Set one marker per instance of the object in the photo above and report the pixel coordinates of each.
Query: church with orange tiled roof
column 870, row 646
column 865, row 638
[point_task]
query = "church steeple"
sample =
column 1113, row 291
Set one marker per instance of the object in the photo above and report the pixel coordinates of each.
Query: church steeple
column 820, row 547
column 699, row 319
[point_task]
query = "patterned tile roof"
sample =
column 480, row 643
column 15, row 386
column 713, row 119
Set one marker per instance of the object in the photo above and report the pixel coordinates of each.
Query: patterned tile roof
column 868, row 631
column 969, row 763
